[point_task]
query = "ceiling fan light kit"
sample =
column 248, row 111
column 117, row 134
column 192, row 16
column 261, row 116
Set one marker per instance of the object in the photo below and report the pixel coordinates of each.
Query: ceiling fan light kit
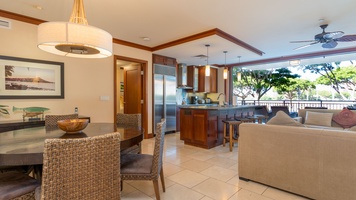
column 74, row 38
column 327, row 39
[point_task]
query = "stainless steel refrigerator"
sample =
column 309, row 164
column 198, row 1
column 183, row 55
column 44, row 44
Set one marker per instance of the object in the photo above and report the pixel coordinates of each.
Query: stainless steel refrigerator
column 165, row 96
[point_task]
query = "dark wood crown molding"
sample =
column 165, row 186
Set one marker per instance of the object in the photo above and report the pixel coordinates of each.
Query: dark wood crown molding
column 294, row 57
column 208, row 33
column 21, row 18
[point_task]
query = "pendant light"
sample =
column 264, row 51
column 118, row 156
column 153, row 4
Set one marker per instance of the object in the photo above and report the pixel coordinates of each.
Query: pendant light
column 207, row 67
column 74, row 38
column 225, row 69
column 239, row 73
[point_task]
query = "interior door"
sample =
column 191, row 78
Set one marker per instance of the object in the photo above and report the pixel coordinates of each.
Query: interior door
column 132, row 89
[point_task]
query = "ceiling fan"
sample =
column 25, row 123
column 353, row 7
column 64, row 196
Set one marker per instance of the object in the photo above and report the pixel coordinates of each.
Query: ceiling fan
column 327, row 39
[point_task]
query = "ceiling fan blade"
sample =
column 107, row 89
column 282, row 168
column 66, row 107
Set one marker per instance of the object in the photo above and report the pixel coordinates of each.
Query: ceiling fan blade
column 333, row 35
column 347, row 38
column 329, row 45
column 308, row 45
column 303, row 41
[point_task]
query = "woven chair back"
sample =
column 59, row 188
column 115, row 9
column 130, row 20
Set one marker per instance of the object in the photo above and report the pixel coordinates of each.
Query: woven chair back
column 127, row 120
column 158, row 148
column 85, row 168
column 51, row 120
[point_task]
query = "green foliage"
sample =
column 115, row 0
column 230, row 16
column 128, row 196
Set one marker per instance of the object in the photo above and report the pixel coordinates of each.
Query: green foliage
column 3, row 110
column 335, row 76
column 259, row 82
column 295, row 88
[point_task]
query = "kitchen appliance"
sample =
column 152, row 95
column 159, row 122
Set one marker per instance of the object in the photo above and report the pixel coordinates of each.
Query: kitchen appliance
column 193, row 99
column 201, row 101
column 182, row 77
column 207, row 100
column 165, row 96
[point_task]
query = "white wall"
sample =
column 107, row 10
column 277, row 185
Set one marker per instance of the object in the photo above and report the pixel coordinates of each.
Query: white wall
column 85, row 79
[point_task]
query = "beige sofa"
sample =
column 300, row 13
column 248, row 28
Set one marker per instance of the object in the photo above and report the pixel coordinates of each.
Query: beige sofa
column 312, row 162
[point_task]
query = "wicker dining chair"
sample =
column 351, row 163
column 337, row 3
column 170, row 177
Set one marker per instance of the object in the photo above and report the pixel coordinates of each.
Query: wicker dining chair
column 51, row 120
column 146, row 166
column 129, row 120
column 17, row 185
column 85, row 168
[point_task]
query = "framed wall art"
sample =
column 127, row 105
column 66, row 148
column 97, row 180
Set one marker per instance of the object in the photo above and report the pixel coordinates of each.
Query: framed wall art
column 23, row 78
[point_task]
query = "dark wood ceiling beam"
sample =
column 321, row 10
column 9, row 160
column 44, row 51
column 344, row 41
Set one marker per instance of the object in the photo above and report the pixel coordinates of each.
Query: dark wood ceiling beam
column 233, row 39
column 208, row 33
column 295, row 57
column 21, row 18
column 186, row 39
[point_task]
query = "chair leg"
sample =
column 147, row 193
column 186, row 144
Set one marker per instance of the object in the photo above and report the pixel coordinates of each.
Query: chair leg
column 155, row 185
column 230, row 136
column 162, row 180
column 224, row 134
column 121, row 185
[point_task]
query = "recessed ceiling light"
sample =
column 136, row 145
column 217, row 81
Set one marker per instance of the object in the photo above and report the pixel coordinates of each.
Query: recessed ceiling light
column 38, row 7
column 146, row 38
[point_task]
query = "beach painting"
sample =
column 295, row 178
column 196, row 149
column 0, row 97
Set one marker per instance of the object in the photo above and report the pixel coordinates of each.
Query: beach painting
column 28, row 78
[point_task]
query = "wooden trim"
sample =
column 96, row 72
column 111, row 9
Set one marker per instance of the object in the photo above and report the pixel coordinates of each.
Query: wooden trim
column 185, row 39
column 131, row 44
column 294, row 57
column 21, row 18
column 144, row 113
column 238, row 42
column 208, row 33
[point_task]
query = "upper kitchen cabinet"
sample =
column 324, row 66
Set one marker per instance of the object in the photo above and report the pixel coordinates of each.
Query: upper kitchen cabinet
column 207, row 83
column 163, row 60
column 192, row 77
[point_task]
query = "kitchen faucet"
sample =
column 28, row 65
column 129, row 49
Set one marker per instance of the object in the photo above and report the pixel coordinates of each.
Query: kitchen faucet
column 221, row 101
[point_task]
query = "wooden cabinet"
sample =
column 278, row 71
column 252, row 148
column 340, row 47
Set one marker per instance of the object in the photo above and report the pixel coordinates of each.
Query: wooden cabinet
column 186, row 130
column 193, row 77
column 163, row 60
column 207, row 83
column 199, row 128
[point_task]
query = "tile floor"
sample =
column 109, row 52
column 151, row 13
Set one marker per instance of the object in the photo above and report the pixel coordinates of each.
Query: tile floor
column 193, row 173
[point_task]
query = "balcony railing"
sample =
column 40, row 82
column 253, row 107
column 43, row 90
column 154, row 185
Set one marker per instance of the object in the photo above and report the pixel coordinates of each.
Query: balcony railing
column 295, row 105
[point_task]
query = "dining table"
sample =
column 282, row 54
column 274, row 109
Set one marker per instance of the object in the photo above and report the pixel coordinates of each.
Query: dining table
column 25, row 146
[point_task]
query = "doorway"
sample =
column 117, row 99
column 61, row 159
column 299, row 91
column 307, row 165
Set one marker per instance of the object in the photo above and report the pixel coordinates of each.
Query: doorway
column 130, row 88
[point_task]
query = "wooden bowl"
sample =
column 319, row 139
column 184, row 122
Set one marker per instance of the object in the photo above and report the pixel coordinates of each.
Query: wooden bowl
column 73, row 125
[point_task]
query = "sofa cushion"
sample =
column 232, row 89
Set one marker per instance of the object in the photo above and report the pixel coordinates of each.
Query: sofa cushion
column 281, row 118
column 324, row 127
column 352, row 128
column 346, row 118
column 319, row 119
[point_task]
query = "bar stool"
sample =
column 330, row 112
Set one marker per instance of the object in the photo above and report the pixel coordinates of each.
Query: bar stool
column 232, row 124
column 229, row 136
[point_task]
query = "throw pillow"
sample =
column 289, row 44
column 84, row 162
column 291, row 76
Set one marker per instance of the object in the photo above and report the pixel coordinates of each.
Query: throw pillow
column 318, row 118
column 346, row 118
column 281, row 118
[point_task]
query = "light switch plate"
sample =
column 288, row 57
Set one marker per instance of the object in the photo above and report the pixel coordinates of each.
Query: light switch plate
column 104, row 98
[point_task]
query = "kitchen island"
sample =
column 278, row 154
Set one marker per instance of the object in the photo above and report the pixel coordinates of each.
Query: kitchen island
column 201, row 125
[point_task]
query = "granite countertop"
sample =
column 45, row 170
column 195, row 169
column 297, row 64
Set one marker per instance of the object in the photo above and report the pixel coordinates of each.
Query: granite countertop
column 213, row 106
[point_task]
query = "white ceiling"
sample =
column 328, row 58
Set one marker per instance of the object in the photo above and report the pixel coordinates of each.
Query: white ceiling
column 266, row 25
